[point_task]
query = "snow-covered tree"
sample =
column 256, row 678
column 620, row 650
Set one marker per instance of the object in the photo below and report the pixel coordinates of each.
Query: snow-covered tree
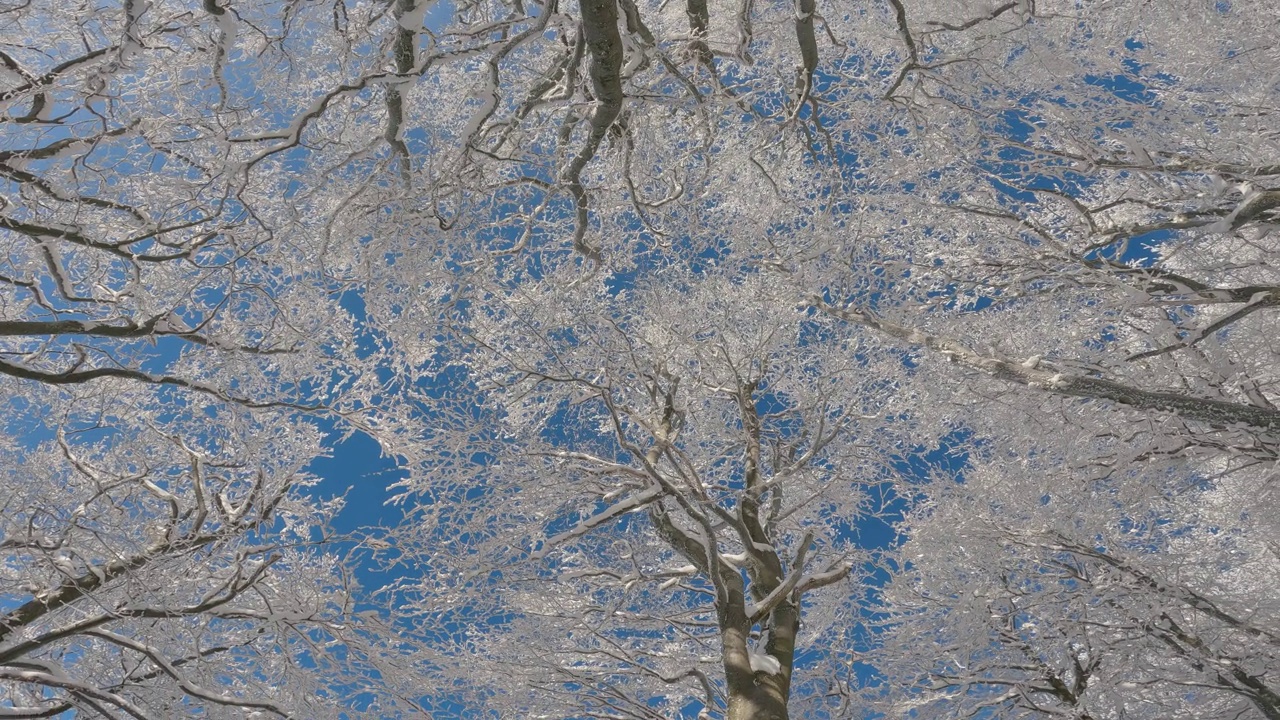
column 649, row 501
column 689, row 281
column 1097, row 312
column 171, row 344
column 156, row 567
column 1060, row 211
column 1037, row 589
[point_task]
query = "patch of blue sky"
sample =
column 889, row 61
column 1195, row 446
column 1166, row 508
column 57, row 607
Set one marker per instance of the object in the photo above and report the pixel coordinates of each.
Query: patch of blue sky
column 357, row 470
column 1015, row 186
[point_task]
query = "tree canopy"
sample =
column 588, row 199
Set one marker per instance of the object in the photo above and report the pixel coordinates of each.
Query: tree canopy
column 743, row 360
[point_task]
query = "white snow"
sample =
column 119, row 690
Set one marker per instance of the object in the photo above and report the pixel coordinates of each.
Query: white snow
column 228, row 28
column 765, row 663
column 627, row 505
column 412, row 20
column 489, row 97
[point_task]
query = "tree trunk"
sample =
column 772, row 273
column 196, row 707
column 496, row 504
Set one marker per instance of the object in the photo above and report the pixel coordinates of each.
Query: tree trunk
column 760, row 695
column 755, row 702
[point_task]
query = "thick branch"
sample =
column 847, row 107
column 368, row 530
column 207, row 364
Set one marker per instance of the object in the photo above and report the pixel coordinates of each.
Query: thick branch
column 805, row 35
column 35, row 712
column 80, row 689
column 184, row 682
column 913, row 58
column 627, row 505
column 1045, row 376
column 129, row 329
column 699, row 17
column 600, row 26
column 66, row 594
column 75, row 376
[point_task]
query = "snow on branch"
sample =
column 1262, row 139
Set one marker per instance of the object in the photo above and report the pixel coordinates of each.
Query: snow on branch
column 1045, row 376
column 628, row 504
